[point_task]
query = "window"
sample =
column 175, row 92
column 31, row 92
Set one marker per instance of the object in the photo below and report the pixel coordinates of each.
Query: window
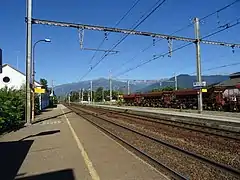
column 6, row 79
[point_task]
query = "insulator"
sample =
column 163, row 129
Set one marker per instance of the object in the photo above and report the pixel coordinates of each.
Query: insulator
column 233, row 49
column 106, row 36
column 170, row 47
column 154, row 41
column 218, row 19
column 81, row 35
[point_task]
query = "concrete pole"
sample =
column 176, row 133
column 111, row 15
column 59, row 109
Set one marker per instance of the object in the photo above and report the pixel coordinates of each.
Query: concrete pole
column 82, row 94
column 52, row 88
column 28, row 63
column 176, row 83
column 33, row 83
column 40, row 102
column 88, row 96
column 69, row 100
column 128, row 87
column 103, row 95
column 110, row 87
column 91, row 92
column 198, row 58
column 79, row 95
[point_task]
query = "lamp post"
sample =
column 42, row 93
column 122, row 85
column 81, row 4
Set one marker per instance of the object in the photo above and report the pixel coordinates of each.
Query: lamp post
column 33, row 75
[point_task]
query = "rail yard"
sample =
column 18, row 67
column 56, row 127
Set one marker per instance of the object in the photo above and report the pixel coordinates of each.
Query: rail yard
column 183, row 151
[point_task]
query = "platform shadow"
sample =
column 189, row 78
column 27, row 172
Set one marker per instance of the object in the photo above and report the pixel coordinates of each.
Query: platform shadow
column 66, row 174
column 44, row 133
column 51, row 117
column 13, row 154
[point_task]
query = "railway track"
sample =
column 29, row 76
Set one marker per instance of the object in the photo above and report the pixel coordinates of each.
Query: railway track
column 185, row 125
column 177, row 162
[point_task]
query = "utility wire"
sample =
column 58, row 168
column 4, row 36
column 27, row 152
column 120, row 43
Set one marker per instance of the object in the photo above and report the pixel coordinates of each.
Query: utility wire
column 181, row 29
column 123, row 17
column 103, row 57
column 218, row 67
column 226, row 26
column 219, row 10
column 216, row 30
column 181, row 47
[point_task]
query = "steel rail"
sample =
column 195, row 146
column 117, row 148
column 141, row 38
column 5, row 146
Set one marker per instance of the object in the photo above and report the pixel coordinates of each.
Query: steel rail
column 199, row 157
column 178, row 124
column 175, row 174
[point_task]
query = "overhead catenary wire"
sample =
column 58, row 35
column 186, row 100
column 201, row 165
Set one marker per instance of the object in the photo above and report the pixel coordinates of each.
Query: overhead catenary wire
column 218, row 67
column 181, row 47
column 120, row 20
column 103, row 57
column 181, row 29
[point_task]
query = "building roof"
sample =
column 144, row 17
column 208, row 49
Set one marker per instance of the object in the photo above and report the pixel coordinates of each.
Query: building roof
column 4, row 65
column 234, row 82
column 235, row 75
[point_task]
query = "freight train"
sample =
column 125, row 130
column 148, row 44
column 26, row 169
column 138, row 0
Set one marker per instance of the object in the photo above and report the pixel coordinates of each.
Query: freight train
column 215, row 98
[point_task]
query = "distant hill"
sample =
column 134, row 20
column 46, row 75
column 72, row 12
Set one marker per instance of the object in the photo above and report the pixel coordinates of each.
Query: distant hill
column 101, row 82
column 186, row 81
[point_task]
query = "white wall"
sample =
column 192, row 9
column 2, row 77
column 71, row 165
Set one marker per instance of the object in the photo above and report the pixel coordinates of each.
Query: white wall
column 17, row 79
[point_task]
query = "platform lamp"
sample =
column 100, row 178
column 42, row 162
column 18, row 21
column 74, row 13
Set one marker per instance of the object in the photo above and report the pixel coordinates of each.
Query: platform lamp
column 33, row 74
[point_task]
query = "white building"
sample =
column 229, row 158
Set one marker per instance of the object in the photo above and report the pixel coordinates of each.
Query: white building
column 13, row 78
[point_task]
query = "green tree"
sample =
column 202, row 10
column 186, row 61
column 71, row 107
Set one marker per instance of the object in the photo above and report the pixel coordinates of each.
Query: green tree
column 99, row 94
column 11, row 108
column 44, row 83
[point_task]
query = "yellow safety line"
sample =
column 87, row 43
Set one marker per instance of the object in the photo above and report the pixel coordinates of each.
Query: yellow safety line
column 87, row 161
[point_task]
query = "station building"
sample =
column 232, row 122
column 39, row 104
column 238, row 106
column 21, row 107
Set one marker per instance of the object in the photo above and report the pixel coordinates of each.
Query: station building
column 13, row 78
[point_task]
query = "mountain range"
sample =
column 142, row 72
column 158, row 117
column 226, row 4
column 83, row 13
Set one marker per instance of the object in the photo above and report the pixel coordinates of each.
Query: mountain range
column 101, row 82
column 183, row 81
column 186, row 81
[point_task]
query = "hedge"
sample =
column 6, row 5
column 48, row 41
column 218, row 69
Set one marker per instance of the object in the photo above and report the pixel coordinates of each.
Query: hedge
column 11, row 108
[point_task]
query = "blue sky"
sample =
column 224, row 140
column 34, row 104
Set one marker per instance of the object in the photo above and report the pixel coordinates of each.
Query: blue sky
column 64, row 62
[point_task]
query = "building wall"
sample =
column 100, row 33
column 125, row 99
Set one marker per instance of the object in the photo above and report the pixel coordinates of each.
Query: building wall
column 44, row 100
column 17, row 79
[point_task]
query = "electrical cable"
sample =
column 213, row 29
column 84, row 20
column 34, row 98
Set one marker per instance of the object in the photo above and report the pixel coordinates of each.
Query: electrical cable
column 181, row 47
column 103, row 57
column 181, row 29
column 123, row 17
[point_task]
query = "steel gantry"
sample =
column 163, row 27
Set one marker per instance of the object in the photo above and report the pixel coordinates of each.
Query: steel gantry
column 29, row 21
column 129, row 31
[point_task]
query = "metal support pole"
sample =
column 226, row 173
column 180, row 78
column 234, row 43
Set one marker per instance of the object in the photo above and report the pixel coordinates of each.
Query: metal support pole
column 176, row 83
column 198, row 57
column 28, row 63
column 88, row 97
column 52, row 88
column 79, row 95
column 33, row 83
column 82, row 94
column 103, row 95
column 91, row 93
column 128, row 87
column 110, row 88
column 69, row 100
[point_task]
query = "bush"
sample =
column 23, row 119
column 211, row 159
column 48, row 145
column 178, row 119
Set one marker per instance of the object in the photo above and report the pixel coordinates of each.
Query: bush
column 11, row 109
column 53, row 101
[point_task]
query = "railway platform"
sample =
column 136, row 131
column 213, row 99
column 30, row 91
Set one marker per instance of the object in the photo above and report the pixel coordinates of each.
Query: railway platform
column 222, row 121
column 61, row 145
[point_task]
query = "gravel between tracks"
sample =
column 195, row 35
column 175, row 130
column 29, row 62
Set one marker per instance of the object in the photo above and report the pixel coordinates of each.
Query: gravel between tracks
column 222, row 150
column 186, row 165
column 219, row 149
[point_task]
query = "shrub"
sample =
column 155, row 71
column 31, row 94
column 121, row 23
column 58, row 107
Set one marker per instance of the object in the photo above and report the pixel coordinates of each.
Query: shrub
column 11, row 109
